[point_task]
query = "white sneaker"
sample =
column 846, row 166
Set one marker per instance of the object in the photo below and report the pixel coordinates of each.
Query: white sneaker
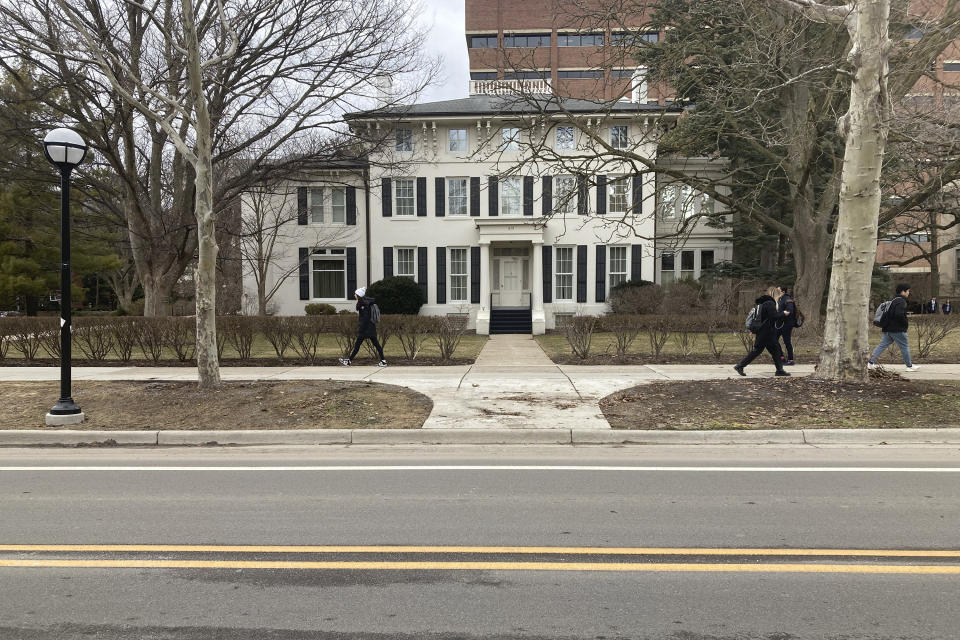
column 382, row 363
column 871, row 366
column 912, row 368
column 344, row 361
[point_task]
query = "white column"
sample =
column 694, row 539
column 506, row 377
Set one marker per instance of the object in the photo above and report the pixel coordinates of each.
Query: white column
column 536, row 290
column 483, row 315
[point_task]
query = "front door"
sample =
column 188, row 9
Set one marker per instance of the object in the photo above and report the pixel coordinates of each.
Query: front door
column 511, row 285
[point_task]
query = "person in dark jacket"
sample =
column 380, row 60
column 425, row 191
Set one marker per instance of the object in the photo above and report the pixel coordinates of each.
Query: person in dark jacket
column 931, row 306
column 947, row 308
column 766, row 337
column 366, row 329
column 785, row 327
column 895, row 330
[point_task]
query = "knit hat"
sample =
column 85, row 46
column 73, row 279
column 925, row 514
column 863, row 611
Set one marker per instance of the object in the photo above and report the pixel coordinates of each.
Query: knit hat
column 362, row 291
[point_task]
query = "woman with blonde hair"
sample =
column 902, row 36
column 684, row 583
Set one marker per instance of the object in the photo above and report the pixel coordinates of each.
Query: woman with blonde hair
column 766, row 335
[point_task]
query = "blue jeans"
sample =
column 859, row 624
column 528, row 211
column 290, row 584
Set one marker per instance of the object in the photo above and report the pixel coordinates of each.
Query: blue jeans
column 889, row 337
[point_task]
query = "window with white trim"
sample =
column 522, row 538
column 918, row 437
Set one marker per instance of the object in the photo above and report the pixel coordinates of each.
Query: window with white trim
column 564, row 141
column 406, row 263
column 459, row 278
column 620, row 136
column 616, row 266
column 511, row 196
column 404, row 140
column 316, row 205
column 329, row 275
column 457, row 140
column 619, row 190
column 683, row 201
column 565, row 194
column 564, row 274
column 687, row 264
column 405, row 196
column 510, row 139
column 338, row 205
column 667, row 261
column 457, row 196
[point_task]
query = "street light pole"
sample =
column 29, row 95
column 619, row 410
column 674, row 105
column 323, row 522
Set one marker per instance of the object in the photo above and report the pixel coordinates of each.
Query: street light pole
column 65, row 149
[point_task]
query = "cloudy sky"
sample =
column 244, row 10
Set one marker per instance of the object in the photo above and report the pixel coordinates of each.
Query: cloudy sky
column 444, row 19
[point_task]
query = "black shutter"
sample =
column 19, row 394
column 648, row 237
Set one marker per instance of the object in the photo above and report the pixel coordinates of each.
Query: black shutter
column 601, row 195
column 493, row 197
column 351, row 271
column 581, row 273
column 547, row 195
column 528, row 195
column 475, row 197
column 440, row 206
column 547, row 274
column 636, row 262
column 601, row 273
column 351, row 205
column 421, row 197
column 386, row 195
column 302, row 208
column 637, row 204
column 422, row 272
column 441, row 275
column 304, row 273
column 582, row 194
column 475, row 275
column 387, row 262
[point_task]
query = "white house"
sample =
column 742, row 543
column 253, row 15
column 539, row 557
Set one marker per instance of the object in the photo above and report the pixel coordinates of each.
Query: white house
column 501, row 209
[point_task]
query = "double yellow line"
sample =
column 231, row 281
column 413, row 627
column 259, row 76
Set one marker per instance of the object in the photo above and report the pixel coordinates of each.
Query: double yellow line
column 635, row 553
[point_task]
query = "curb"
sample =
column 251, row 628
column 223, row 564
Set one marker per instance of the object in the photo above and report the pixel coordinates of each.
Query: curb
column 66, row 437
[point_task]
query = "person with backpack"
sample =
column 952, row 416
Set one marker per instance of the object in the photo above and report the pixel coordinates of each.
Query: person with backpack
column 893, row 321
column 368, row 316
column 785, row 327
column 762, row 327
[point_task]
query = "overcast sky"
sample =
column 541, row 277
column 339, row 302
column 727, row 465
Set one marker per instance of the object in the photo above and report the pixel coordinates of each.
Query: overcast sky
column 444, row 18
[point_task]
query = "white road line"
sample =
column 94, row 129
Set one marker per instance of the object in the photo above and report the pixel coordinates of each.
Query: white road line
column 382, row 468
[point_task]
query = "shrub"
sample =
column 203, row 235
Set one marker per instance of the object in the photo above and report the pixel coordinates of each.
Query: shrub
column 680, row 296
column 413, row 332
column 578, row 331
column 306, row 332
column 657, row 328
column 344, row 328
column 50, row 341
column 4, row 338
column 238, row 332
column 686, row 331
column 94, row 337
column 182, row 337
column 125, row 332
column 635, row 297
column 396, row 295
column 450, row 330
column 320, row 309
column 931, row 329
column 625, row 329
column 278, row 332
column 27, row 334
column 152, row 336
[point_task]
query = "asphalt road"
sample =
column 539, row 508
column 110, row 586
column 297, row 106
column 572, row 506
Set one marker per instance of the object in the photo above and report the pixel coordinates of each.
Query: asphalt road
column 680, row 543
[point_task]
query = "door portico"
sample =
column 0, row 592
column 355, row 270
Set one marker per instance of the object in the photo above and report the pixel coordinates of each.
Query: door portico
column 511, row 268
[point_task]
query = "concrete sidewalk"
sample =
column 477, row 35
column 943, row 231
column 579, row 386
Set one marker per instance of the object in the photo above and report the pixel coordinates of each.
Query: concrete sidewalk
column 512, row 385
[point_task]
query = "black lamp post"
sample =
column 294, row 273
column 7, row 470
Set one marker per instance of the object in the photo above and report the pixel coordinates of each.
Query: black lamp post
column 65, row 149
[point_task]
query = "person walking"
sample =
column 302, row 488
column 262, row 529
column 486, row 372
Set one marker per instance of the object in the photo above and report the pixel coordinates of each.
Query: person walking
column 895, row 329
column 766, row 336
column 931, row 306
column 366, row 328
column 946, row 307
column 785, row 327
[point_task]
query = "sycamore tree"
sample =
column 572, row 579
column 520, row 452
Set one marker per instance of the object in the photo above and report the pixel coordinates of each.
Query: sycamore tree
column 192, row 101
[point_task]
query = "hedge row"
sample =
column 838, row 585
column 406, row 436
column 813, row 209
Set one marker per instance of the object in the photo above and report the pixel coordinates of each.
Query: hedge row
column 99, row 338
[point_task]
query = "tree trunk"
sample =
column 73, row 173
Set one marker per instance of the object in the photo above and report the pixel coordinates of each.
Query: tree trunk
column 262, row 296
column 934, row 258
column 846, row 339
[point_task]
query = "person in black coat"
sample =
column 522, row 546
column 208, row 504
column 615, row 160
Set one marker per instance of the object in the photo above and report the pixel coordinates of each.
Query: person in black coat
column 366, row 329
column 931, row 306
column 947, row 308
column 785, row 327
column 766, row 337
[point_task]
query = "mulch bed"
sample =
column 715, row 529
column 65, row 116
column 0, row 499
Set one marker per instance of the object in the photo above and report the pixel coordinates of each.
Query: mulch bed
column 885, row 402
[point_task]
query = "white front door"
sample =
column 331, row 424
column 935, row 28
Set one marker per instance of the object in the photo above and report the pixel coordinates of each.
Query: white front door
column 511, row 285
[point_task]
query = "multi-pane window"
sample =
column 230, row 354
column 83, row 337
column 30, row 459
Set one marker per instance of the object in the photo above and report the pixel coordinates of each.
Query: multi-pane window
column 405, row 196
column 622, row 73
column 459, row 284
column 617, row 266
column 483, row 75
column 404, row 139
column 564, row 139
column 338, row 205
column 619, row 136
column 706, row 260
column 316, row 205
column 632, row 38
column 483, row 42
column 457, row 140
column 565, row 194
column 406, row 263
column 667, row 262
column 564, row 273
column 574, row 74
column 329, row 278
column 580, row 40
column 510, row 138
column 526, row 40
column 683, row 201
column 686, row 264
column 457, row 196
column 511, row 192
column 619, row 195
column 526, row 75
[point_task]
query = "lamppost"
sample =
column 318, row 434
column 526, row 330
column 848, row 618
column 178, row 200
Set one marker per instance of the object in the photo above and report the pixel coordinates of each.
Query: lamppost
column 65, row 149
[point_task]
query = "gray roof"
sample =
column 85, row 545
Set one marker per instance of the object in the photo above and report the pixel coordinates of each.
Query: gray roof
column 488, row 105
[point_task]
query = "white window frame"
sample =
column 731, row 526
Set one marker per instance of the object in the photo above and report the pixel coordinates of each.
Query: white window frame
column 684, row 202
column 338, row 205
column 614, row 184
column 510, row 139
column 700, row 267
column 321, row 255
column 516, row 196
column 454, row 143
column 316, row 204
column 561, row 277
column 570, row 206
column 619, row 276
column 453, row 285
column 672, row 271
column 462, row 200
column 615, row 140
column 564, row 143
column 404, row 140
column 405, row 212
column 692, row 271
column 398, row 262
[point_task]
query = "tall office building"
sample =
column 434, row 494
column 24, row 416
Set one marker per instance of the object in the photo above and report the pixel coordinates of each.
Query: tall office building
column 555, row 47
